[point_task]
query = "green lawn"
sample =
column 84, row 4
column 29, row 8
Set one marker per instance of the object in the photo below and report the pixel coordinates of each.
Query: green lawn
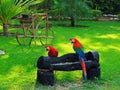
column 18, row 65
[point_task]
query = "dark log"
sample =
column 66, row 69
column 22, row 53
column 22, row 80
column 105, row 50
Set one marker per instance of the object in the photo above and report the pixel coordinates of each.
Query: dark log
column 45, row 78
column 73, row 66
column 45, row 62
column 93, row 73
column 66, row 66
column 92, row 55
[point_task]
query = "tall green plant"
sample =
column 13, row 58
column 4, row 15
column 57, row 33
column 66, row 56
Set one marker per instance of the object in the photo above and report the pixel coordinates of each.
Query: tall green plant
column 72, row 8
column 10, row 8
column 96, row 14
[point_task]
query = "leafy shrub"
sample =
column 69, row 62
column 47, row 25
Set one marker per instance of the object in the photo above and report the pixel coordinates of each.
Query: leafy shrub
column 119, row 15
column 96, row 13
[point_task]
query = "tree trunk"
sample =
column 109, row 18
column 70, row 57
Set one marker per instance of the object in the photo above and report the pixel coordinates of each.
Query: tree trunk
column 72, row 21
column 5, row 29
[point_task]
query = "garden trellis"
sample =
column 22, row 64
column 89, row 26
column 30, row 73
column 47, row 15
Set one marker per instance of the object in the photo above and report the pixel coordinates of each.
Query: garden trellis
column 30, row 29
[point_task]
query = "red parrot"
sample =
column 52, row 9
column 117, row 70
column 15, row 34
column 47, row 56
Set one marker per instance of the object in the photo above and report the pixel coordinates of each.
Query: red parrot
column 79, row 49
column 52, row 52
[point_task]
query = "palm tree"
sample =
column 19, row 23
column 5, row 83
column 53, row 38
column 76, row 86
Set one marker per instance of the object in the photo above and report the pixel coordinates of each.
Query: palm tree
column 72, row 8
column 11, row 8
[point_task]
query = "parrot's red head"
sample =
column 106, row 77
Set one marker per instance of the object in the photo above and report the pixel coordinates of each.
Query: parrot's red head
column 76, row 42
column 52, row 51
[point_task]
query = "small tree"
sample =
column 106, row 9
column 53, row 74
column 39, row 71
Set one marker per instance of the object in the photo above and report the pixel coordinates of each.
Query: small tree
column 74, row 9
column 10, row 8
column 96, row 14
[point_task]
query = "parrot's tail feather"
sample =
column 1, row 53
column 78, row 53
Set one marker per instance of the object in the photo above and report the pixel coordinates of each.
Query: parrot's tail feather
column 85, row 77
column 84, row 69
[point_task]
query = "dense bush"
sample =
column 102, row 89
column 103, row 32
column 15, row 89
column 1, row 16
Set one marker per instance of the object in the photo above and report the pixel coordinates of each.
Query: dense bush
column 119, row 15
column 96, row 14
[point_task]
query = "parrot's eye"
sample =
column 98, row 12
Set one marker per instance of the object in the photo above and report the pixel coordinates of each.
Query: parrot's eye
column 72, row 41
column 47, row 49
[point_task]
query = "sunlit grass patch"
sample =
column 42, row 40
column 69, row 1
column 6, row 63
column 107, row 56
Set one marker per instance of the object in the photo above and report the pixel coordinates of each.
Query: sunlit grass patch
column 18, row 65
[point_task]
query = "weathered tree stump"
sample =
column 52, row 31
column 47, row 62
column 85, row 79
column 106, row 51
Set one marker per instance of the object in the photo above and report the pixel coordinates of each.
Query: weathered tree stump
column 45, row 77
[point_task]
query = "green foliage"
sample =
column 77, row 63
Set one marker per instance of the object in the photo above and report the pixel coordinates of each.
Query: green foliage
column 11, row 8
column 106, row 6
column 74, row 9
column 77, row 8
column 119, row 16
column 97, row 13
column 18, row 65
column 46, row 4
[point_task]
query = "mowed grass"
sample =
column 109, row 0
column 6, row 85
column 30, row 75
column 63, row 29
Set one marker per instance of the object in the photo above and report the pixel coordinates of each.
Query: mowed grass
column 18, row 65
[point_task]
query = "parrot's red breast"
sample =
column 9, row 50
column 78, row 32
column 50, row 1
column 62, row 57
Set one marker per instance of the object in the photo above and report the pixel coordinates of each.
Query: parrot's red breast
column 52, row 52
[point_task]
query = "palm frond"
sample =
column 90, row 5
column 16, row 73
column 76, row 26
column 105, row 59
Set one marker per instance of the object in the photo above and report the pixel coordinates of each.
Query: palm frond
column 10, row 8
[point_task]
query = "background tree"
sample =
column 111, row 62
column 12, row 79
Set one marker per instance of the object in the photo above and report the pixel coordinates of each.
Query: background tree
column 106, row 6
column 74, row 9
column 46, row 4
column 11, row 8
column 43, row 6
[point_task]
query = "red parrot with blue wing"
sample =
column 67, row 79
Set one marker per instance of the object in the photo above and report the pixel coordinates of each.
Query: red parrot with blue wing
column 79, row 49
column 52, row 52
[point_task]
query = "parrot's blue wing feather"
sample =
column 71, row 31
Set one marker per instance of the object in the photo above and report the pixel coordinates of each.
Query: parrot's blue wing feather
column 80, row 52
